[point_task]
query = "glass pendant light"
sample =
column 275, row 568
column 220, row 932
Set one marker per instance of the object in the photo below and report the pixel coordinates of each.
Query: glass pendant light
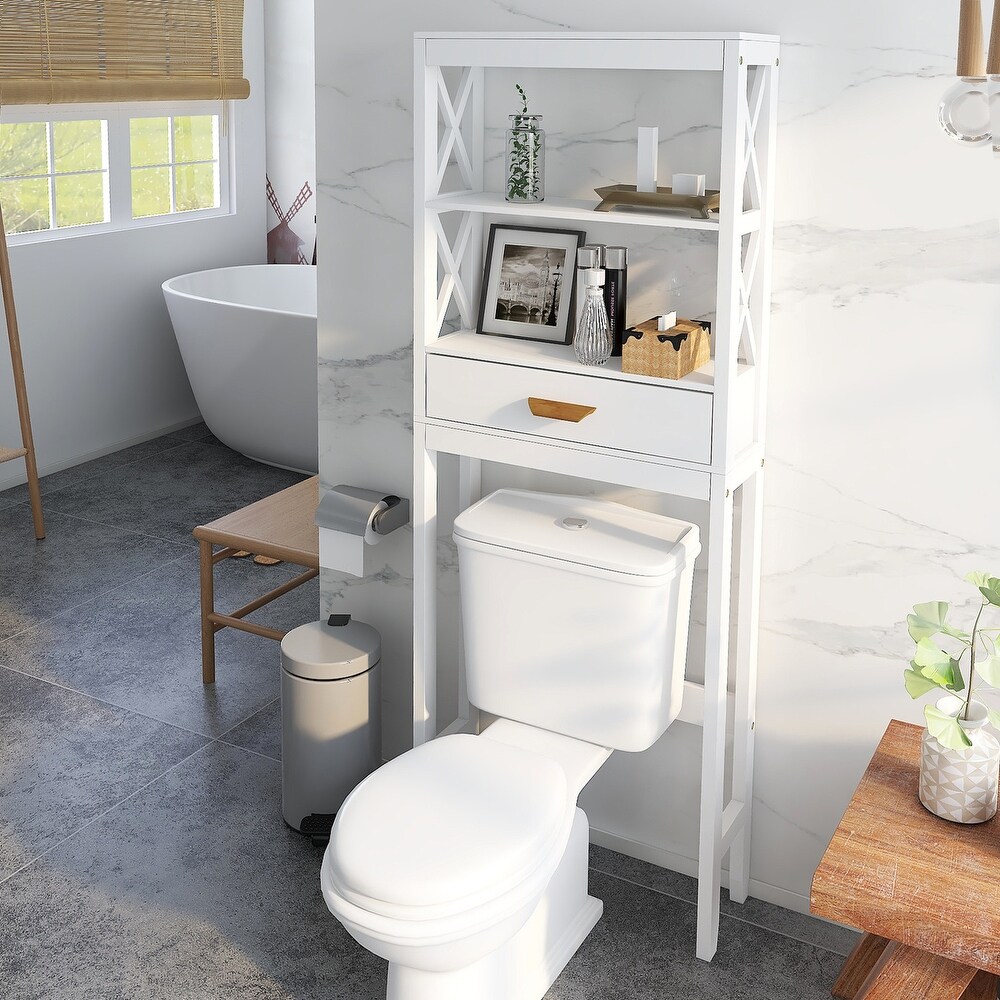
column 964, row 111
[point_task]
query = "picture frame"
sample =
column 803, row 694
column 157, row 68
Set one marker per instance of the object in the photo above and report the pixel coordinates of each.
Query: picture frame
column 529, row 283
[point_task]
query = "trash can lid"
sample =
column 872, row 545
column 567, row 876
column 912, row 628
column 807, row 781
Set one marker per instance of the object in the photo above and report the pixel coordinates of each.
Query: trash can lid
column 318, row 651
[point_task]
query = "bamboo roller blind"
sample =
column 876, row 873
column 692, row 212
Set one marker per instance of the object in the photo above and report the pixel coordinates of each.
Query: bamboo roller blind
column 82, row 51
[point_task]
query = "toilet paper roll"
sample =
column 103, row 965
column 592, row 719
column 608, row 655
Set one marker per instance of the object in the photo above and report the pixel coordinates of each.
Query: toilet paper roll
column 344, row 551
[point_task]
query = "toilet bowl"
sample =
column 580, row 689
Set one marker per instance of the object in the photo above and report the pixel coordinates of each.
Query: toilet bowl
column 463, row 862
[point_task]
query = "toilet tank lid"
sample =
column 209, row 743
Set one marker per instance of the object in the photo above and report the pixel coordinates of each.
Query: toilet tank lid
column 581, row 530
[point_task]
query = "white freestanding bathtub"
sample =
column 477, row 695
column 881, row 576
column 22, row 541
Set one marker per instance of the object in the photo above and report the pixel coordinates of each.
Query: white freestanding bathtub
column 248, row 339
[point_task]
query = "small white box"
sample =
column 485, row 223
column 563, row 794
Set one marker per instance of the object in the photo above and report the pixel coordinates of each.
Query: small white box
column 648, row 155
column 689, row 184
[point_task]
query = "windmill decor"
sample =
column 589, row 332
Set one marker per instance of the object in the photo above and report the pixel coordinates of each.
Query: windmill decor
column 283, row 246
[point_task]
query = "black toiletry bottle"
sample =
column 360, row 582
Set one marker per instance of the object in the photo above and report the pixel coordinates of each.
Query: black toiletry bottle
column 616, row 294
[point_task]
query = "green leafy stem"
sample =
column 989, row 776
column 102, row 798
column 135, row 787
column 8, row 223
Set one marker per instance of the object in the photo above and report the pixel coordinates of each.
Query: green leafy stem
column 525, row 154
column 935, row 667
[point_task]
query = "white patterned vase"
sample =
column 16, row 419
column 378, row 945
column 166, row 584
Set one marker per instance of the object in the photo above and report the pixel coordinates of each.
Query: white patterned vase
column 961, row 785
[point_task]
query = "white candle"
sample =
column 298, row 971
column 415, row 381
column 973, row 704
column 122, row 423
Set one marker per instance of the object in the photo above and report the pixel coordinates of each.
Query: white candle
column 649, row 150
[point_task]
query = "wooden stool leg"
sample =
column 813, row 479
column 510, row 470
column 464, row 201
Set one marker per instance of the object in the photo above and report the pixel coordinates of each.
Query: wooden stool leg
column 865, row 956
column 35, row 493
column 984, row 986
column 207, row 608
column 902, row 971
column 859, row 964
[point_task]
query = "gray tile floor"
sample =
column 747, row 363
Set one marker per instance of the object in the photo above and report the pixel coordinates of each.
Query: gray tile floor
column 142, row 852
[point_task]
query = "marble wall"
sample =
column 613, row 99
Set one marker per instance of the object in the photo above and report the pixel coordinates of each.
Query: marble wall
column 885, row 348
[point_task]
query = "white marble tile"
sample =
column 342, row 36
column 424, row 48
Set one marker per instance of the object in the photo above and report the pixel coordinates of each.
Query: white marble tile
column 882, row 476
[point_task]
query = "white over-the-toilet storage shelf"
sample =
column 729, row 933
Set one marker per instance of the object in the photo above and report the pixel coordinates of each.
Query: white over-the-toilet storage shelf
column 701, row 437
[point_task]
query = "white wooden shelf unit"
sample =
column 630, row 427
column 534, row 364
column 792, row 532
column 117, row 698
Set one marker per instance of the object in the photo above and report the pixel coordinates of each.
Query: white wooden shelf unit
column 701, row 437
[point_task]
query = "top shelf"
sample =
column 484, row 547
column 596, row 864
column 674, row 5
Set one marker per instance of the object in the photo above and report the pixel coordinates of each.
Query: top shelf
column 579, row 210
column 615, row 36
column 703, row 51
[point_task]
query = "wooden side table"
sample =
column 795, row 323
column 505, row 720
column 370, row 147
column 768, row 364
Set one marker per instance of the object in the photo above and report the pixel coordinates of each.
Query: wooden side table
column 281, row 526
column 925, row 891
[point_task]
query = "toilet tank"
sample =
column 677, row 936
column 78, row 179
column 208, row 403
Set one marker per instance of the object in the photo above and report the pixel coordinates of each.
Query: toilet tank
column 575, row 614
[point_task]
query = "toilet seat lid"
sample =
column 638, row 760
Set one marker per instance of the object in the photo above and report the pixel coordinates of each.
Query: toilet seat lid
column 449, row 825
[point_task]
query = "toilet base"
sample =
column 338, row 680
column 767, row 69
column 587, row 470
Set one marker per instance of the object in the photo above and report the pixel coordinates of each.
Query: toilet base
column 528, row 964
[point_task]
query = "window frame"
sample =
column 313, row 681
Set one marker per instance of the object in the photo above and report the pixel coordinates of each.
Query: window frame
column 119, row 159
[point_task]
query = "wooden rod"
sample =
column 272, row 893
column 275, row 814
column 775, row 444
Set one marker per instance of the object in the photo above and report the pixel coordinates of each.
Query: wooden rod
column 993, row 62
column 971, row 57
column 20, row 389
column 228, row 621
column 273, row 595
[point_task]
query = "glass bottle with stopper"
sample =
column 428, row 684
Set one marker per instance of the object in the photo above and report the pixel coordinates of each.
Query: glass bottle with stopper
column 593, row 338
column 588, row 256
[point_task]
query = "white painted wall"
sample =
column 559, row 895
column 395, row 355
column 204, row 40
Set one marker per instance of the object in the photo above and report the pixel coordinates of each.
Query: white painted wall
column 887, row 302
column 289, row 44
column 101, row 363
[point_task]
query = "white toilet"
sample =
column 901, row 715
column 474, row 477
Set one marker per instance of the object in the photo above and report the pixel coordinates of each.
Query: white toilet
column 464, row 862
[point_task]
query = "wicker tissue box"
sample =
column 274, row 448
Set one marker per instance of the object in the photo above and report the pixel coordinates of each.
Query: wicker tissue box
column 672, row 353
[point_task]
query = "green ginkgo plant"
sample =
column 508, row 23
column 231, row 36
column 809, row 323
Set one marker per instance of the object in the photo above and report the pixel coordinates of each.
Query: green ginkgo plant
column 938, row 660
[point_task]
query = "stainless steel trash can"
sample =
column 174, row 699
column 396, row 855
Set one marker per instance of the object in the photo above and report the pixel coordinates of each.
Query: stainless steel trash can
column 331, row 733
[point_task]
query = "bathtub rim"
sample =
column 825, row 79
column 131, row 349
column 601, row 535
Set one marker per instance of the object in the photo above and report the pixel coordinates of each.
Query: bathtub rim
column 168, row 289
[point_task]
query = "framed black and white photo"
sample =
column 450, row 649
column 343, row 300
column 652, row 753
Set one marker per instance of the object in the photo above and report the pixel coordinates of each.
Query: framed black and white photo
column 529, row 283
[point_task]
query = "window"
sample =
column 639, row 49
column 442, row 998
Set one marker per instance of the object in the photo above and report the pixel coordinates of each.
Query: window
column 54, row 175
column 93, row 168
column 174, row 164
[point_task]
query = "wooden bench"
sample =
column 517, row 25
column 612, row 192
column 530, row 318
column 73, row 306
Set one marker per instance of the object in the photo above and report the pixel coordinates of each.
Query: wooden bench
column 281, row 526
column 924, row 890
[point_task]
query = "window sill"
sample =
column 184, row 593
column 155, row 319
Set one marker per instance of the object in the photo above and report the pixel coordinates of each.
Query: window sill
column 104, row 228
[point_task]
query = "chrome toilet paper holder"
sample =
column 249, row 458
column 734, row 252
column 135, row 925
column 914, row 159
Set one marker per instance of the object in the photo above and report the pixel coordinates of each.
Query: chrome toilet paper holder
column 349, row 509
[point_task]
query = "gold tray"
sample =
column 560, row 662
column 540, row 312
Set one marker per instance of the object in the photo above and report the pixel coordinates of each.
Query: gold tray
column 625, row 195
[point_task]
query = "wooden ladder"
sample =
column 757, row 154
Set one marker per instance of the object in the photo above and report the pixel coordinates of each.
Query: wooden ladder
column 27, row 449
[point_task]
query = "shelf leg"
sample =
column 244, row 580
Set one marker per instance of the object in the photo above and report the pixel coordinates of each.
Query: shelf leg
column 470, row 489
column 747, row 636
column 425, row 526
column 713, row 762
column 472, row 261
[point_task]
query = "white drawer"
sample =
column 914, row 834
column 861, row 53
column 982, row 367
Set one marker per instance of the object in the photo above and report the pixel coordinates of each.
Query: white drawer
column 664, row 421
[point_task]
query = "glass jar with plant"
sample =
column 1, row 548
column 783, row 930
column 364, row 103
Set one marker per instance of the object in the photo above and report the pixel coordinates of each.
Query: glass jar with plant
column 525, row 155
column 959, row 757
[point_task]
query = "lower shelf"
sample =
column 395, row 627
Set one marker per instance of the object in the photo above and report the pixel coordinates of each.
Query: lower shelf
column 692, row 711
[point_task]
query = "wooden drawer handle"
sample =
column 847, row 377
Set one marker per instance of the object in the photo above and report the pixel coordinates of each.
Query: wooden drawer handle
column 556, row 410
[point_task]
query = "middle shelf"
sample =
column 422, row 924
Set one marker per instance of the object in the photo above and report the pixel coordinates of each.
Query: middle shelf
column 578, row 210
column 560, row 357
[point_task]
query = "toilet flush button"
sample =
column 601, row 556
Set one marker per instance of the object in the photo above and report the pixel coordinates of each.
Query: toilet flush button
column 574, row 523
